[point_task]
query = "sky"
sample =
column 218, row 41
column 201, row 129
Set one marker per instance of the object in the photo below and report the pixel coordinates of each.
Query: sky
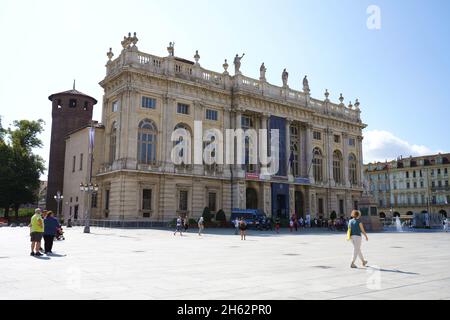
column 395, row 60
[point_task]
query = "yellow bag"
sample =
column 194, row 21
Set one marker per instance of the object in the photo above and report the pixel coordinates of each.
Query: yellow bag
column 349, row 234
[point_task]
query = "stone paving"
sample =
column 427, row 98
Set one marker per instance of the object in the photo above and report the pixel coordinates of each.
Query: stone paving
column 153, row 264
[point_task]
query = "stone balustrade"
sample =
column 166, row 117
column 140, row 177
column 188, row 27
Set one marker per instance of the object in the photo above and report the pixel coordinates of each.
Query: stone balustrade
column 180, row 68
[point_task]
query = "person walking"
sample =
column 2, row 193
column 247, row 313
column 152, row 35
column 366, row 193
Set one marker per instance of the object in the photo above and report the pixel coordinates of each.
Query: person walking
column 445, row 225
column 300, row 222
column 186, row 224
column 277, row 224
column 51, row 226
column 36, row 232
column 355, row 229
column 200, row 226
column 236, row 226
column 291, row 224
column 243, row 228
column 178, row 226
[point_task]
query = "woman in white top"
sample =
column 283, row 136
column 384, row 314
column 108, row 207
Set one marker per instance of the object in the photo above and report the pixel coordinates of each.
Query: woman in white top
column 200, row 226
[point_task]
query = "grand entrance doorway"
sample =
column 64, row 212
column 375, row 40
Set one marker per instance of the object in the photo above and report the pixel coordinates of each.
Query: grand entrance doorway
column 280, row 200
column 251, row 198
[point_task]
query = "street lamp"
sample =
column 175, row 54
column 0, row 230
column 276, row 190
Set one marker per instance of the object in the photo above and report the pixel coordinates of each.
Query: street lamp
column 59, row 197
column 90, row 189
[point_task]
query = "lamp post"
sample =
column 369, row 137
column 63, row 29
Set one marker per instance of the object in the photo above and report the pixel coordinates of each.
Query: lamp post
column 90, row 189
column 59, row 197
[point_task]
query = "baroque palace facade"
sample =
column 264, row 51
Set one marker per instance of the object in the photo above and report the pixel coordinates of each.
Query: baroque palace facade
column 410, row 185
column 146, row 97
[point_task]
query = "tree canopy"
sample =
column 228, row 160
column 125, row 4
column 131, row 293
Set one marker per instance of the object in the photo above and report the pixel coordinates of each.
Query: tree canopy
column 20, row 168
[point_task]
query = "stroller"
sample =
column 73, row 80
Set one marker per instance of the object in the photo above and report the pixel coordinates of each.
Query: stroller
column 60, row 234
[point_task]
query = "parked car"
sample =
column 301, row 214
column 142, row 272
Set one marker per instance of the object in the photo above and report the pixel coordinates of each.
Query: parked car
column 253, row 217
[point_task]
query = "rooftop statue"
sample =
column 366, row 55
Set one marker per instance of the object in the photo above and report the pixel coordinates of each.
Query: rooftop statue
column 305, row 85
column 262, row 72
column 284, row 77
column 237, row 63
column 171, row 49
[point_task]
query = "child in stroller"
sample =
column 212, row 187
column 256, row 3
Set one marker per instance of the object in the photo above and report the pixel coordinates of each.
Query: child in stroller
column 59, row 234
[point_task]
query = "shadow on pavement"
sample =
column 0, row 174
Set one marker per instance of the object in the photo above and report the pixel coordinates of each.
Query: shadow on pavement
column 56, row 255
column 42, row 258
column 395, row 271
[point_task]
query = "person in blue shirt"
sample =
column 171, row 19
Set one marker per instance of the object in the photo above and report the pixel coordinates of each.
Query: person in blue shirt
column 51, row 225
column 356, row 230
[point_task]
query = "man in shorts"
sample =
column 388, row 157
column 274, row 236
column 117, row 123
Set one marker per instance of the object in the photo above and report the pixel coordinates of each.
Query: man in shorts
column 37, row 230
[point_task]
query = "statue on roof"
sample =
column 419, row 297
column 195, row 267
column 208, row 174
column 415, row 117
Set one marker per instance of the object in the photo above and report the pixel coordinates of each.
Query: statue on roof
column 237, row 63
column 262, row 72
column 284, row 77
column 305, row 85
column 171, row 49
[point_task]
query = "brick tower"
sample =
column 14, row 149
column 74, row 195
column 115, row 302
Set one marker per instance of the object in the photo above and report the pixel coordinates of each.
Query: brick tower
column 71, row 110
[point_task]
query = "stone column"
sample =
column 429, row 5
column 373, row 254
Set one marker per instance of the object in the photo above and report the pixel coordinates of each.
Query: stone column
column 199, row 111
column 330, row 137
column 168, row 126
column 267, row 199
column 309, row 154
column 264, row 126
column 226, row 125
column 360, row 161
column 345, row 155
column 288, row 148
column 292, row 200
column 238, row 125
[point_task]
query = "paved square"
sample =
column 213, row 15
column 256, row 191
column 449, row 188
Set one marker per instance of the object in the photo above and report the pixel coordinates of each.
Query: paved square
column 153, row 264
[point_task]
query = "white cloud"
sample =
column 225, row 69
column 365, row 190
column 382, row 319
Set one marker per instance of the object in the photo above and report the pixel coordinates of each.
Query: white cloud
column 383, row 145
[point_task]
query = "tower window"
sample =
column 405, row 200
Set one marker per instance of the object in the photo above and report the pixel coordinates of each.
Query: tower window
column 86, row 105
column 72, row 103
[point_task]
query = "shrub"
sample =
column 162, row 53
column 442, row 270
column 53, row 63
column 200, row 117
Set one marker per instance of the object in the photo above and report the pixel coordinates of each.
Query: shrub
column 207, row 216
column 192, row 222
column 173, row 223
column 333, row 216
column 220, row 216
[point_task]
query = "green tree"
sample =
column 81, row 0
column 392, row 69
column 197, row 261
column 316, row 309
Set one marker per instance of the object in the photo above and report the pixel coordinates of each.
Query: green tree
column 333, row 215
column 6, row 172
column 220, row 216
column 207, row 216
column 21, row 169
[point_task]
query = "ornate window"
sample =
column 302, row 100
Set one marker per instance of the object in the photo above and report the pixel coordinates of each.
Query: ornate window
column 246, row 124
column 352, row 167
column 188, row 129
column 113, row 143
column 337, row 167
column 183, row 200
column 318, row 165
column 294, row 159
column 147, row 138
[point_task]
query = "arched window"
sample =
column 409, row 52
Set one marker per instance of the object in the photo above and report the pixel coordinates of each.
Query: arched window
column 113, row 143
column 147, row 134
column 318, row 165
column 188, row 129
column 337, row 167
column 352, row 169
